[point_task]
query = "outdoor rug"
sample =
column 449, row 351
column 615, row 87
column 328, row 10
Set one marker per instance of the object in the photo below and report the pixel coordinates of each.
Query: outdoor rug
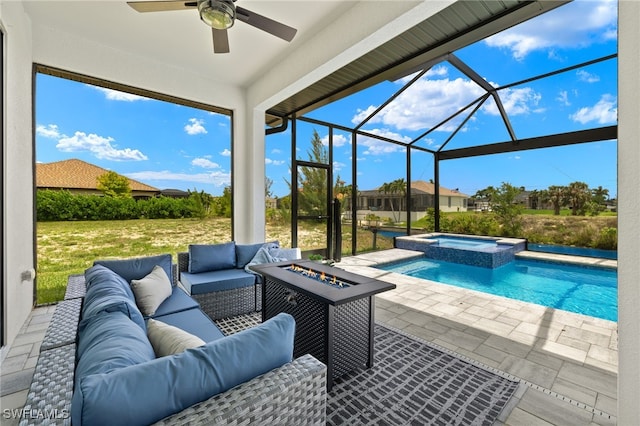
column 412, row 382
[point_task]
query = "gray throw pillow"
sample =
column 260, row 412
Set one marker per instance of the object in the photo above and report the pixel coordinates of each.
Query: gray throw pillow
column 168, row 340
column 151, row 290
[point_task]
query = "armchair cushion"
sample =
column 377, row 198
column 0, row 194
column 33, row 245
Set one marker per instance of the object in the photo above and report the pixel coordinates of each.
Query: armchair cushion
column 152, row 290
column 199, row 373
column 211, row 257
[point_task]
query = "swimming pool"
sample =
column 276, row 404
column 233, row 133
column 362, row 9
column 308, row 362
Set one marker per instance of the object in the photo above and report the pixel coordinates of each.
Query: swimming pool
column 584, row 290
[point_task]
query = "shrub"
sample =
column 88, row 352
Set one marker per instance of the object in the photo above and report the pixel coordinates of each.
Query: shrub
column 607, row 239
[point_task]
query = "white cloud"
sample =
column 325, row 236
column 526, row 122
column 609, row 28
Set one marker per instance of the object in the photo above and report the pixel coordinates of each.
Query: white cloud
column 587, row 77
column 99, row 146
column 425, row 104
column 226, row 153
column 115, row 95
column 578, row 24
column 338, row 140
column 515, row 101
column 48, row 131
column 379, row 147
column 273, row 162
column 605, row 111
column 217, row 178
column 204, row 163
column 276, row 151
column 337, row 166
column 195, row 127
column 563, row 98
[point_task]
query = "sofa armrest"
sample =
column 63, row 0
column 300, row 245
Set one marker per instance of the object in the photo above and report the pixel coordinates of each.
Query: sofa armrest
column 292, row 394
column 183, row 262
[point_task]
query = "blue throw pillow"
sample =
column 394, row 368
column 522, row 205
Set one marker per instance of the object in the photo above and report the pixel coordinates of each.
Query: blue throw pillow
column 148, row 392
column 138, row 267
column 107, row 290
column 211, row 257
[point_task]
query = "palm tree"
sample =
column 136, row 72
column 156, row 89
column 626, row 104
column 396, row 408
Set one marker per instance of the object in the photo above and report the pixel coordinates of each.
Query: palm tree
column 578, row 195
column 556, row 196
column 398, row 186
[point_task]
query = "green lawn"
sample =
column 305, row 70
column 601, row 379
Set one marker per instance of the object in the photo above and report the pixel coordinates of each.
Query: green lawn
column 65, row 248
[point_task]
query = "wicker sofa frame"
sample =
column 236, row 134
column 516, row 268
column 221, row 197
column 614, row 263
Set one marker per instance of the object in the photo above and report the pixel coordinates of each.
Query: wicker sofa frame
column 292, row 394
column 225, row 303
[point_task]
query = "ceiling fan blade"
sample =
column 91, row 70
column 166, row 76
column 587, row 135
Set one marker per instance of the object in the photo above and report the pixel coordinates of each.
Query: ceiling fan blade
column 161, row 6
column 263, row 23
column 220, row 41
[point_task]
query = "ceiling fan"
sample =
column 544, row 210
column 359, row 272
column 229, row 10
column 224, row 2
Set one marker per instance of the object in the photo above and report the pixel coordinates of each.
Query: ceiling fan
column 219, row 15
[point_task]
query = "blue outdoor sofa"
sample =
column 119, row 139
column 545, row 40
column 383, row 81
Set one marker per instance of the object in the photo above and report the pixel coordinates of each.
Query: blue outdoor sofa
column 144, row 352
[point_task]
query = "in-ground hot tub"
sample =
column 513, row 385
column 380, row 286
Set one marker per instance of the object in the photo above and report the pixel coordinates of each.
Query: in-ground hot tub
column 487, row 252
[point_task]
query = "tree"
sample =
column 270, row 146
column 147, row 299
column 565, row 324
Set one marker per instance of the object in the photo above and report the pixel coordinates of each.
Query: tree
column 398, row 186
column 202, row 202
column 599, row 197
column 578, row 195
column 507, row 211
column 554, row 195
column 312, row 194
column 114, row 185
column 267, row 187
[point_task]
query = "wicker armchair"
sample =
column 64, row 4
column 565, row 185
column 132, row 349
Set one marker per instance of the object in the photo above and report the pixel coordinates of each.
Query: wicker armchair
column 292, row 394
column 225, row 303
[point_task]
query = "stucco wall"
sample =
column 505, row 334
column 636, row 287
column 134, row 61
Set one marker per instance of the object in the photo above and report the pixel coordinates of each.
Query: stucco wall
column 17, row 167
column 628, row 217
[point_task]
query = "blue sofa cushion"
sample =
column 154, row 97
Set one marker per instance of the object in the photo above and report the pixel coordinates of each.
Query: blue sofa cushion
column 211, row 257
column 139, row 267
column 148, row 392
column 195, row 322
column 226, row 279
column 246, row 252
column 178, row 301
column 107, row 290
column 109, row 341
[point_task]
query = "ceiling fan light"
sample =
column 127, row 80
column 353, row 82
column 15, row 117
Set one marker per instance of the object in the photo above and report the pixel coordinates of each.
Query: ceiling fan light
column 218, row 14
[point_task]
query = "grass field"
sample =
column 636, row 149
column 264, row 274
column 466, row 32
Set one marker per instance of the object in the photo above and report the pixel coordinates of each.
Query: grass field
column 65, row 248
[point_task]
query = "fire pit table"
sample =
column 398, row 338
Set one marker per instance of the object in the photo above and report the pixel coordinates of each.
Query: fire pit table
column 333, row 309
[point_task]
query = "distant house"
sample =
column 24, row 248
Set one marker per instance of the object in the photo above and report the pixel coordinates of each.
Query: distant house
column 393, row 205
column 174, row 193
column 80, row 177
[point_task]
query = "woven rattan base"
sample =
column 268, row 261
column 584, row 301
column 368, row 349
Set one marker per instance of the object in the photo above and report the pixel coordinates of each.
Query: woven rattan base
column 49, row 397
column 228, row 303
column 338, row 335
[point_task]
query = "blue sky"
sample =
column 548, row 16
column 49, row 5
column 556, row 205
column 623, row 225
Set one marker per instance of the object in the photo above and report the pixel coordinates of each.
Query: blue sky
column 171, row 146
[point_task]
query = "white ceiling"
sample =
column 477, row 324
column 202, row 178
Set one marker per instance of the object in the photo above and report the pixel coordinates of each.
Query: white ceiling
column 181, row 39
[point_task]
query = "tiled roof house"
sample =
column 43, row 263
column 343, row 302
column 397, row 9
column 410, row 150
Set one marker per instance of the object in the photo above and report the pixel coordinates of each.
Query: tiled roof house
column 80, row 177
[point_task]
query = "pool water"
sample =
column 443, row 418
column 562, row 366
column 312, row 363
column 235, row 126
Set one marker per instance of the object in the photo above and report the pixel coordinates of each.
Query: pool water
column 574, row 251
column 584, row 290
column 465, row 243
